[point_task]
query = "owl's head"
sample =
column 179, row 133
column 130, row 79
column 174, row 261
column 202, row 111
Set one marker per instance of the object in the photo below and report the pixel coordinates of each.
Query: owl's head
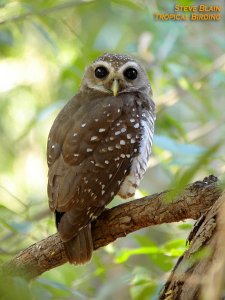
column 115, row 74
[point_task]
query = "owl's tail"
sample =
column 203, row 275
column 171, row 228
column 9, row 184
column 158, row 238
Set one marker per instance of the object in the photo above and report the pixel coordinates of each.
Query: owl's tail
column 79, row 249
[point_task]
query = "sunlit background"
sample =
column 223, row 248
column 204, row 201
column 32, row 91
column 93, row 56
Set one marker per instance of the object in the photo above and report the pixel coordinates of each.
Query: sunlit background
column 44, row 49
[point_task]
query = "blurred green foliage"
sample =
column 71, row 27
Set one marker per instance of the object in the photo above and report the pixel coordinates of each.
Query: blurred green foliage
column 44, row 49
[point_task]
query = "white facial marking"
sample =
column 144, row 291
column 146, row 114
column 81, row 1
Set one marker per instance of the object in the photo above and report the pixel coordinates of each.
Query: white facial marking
column 101, row 130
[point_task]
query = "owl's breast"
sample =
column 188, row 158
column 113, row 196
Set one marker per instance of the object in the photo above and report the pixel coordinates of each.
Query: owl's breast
column 140, row 162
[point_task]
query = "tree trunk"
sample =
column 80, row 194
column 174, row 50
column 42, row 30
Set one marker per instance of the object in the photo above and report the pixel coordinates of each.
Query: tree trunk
column 200, row 271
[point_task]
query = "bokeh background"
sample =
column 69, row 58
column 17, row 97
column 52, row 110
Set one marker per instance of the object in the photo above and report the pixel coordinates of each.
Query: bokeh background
column 44, row 49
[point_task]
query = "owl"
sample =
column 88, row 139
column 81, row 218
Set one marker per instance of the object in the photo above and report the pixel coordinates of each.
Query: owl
column 98, row 147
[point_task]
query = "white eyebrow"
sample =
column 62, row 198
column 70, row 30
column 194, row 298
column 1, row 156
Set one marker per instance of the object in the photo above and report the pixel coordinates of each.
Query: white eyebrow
column 102, row 63
column 128, row 64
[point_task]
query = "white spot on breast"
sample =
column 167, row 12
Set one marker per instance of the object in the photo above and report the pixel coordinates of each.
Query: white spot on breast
column 75, row 134
column 112, row 194
column 122, row 142
column 110, row 176
column 136, row 125
column 117, row 132
column 101, row 130
column 83, row 125
column 76, row 154
column 106, row 162
column 122, row 155
column 89, row 150
column 94, row 138
column 96, row 120
column 123, row 129
column 110, row 148
column 129, row 136
column 53, row 146
column 128, row 155
column 132, row 141
column 132, row 120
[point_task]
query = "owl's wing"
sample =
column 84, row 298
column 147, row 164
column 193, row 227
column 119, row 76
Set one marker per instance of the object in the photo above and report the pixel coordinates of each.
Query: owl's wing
column 92, row 157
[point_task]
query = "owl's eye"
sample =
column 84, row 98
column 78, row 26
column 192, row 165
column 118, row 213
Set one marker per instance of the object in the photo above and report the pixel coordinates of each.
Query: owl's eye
column 130, row 73
column 101, row 72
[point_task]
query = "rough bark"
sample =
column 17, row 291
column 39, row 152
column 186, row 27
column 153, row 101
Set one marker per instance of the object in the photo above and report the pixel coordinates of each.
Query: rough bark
column 200, row 271
column 119, row 221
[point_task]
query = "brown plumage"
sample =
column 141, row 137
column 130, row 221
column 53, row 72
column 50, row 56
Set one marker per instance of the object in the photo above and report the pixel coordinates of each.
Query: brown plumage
column 98, row 147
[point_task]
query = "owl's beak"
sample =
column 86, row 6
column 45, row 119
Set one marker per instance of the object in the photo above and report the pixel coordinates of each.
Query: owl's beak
column 115, row 87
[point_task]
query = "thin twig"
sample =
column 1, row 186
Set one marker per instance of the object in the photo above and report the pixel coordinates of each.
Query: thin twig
column 45, row 11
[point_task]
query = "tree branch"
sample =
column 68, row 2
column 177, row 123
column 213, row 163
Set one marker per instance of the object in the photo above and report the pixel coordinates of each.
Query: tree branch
column 119, row 221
